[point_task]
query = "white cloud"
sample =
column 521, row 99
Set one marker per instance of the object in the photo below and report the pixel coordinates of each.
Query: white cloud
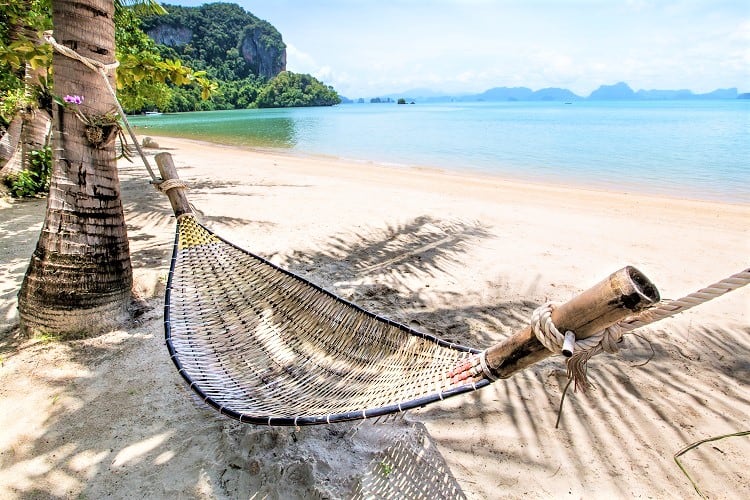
column 299, row 61
column 302, row 62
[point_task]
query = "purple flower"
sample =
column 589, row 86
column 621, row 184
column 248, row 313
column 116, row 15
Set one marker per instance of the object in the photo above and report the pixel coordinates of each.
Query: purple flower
column 73, row 99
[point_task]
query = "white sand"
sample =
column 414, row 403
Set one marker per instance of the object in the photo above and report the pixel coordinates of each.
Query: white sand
column 464, row 257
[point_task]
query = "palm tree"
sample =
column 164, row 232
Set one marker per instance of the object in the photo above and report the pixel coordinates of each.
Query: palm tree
column 36, row 120
column 80, row 277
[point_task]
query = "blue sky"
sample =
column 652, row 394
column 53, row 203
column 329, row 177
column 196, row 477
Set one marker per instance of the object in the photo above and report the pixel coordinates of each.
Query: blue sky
column 372, row 47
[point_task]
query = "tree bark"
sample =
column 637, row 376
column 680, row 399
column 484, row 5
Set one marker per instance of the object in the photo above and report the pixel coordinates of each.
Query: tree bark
column 29, row 131
column 36, row 121
column 9, row 145
column 79, row 280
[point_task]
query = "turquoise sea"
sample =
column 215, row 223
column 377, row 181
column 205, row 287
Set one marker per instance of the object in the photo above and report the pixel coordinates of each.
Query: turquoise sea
column 686, row 149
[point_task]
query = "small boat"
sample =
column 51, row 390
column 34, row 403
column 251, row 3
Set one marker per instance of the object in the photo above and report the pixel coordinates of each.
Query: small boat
column 153, row 113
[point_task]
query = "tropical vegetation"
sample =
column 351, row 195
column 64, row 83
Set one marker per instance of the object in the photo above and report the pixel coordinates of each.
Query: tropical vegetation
column 210, row 72
column 243, row 54
column 145, row 79
column 289, row 89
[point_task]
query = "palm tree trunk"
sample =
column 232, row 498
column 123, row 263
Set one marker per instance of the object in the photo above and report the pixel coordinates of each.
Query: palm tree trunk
column 29, row 131
column 36, row 121
column 8, row 146
column 80, row 276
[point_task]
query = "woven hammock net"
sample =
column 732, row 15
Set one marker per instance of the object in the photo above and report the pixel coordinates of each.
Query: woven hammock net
column 265, row 346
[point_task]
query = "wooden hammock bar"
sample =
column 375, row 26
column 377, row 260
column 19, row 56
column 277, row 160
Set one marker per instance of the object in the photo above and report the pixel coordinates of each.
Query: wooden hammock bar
column 622, row 294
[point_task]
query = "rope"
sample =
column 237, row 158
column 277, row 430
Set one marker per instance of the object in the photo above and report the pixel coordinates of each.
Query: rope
column 667, row 308
column 578, row 351
column 103, row 70
column 608, row 340
column 552, row 339
column 165, row 186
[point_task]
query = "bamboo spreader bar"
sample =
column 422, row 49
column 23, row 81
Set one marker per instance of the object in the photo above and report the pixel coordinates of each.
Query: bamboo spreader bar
column 624, row 293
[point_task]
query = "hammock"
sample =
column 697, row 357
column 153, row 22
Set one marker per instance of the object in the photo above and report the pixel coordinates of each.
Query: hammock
column 265, row 346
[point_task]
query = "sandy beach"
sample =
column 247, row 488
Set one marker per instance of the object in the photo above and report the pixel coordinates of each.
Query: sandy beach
column 464, row 257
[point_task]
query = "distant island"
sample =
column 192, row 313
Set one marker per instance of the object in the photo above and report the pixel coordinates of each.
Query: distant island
column 618, row 92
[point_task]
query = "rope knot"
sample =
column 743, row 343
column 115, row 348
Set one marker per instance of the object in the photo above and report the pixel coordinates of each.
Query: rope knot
column 87, row 61
column 578, row 351
column 165, row 186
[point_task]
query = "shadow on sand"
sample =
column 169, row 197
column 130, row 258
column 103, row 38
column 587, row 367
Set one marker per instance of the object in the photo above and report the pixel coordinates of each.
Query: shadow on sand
column 127, row 417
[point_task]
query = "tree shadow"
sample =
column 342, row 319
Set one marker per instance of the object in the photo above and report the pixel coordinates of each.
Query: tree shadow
column 634, row 417
column 151, row 222
column 103, row 407
column 155, row 212
column 424, row 246
column 647, row 403
column 22, row 222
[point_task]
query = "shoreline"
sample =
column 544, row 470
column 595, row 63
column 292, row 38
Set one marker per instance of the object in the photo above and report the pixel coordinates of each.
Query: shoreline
column 457, row 173
column 571, row 161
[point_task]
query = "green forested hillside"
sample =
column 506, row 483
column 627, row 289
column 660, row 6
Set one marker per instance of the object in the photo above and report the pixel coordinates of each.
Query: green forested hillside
column 245, row 55
column 222, row 38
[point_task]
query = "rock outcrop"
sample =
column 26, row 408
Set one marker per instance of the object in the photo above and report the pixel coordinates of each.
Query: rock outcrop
column 264, row 59
column 222, row 36
column 172, row 36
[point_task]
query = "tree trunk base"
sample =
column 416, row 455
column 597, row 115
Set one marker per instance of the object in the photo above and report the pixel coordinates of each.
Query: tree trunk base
column 67, row 324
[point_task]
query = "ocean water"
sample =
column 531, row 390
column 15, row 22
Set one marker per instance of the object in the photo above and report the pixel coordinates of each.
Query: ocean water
column 686, row 149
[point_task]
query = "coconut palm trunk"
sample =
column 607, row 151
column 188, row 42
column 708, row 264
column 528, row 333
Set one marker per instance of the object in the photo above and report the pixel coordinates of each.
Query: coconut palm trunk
column 8, row 145
column 28, row 132
column 36, row 121
column 79, row 279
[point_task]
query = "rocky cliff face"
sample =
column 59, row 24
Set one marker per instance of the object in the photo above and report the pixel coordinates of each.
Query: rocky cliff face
column 173, row 36
column 266, row 60
column 222, row 36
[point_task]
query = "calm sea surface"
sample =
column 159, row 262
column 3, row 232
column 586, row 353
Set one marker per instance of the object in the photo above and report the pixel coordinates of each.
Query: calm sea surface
column 690, row 149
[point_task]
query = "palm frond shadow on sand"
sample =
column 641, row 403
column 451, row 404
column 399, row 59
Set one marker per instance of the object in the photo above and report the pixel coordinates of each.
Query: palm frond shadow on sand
column 633, row 412
column 377, row 270
column 637, row 409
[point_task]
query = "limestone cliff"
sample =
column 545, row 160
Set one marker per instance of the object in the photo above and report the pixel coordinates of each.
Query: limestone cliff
column 265, row 59
column 173, row 36
column 221, row 36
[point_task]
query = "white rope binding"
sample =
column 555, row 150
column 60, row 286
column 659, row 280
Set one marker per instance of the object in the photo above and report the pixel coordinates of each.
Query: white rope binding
column 103, row 70
column 548, row 334
column 165, row 186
